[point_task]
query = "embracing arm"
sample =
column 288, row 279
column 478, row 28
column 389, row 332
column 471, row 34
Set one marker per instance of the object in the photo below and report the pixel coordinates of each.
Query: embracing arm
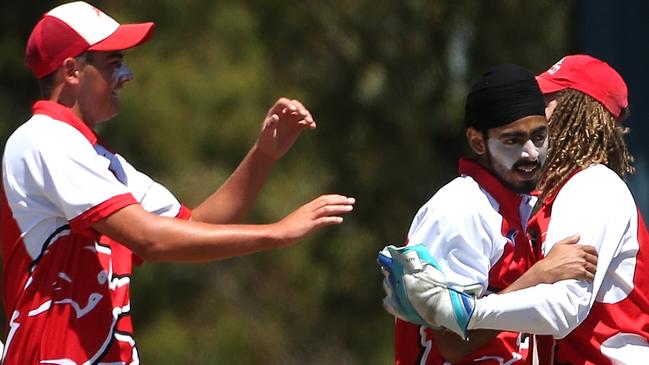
column 156, row 238
column 566, row 260
column 282, row 125
column 556, row 309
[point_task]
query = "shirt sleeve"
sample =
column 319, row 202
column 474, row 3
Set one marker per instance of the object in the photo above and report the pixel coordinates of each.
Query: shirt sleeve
column 153, row 196
column 65, row 169
column 594, row 203
column 458, row 236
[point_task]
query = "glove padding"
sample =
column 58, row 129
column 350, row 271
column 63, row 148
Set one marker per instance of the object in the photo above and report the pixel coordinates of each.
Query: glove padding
column 417, row 290
column 396, row 300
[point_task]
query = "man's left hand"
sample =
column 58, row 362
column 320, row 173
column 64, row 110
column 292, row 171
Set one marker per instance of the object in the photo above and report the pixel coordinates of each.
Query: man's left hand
column 284, row 122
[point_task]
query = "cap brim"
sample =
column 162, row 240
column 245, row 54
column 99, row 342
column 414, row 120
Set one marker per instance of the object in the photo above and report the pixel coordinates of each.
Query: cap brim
column 548, row 86
column 126, row 36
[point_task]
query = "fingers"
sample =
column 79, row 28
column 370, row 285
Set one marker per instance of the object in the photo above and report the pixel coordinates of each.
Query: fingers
column 570, row 261
column 332, row 199
column 304, row 112
column 585, row 272
column 560, row 246
column 328, row 209
column 588, row 253
column 271, row 121
column 327, row 221
column 335, row 207
column 587, row 263
column 293, row 108
column 591, row 269
column 322, row 211
column 591, row 250
column 592, row 259
column 280, row 105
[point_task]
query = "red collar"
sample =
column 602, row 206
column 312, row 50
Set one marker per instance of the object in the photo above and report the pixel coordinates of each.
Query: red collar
column 508, row 200
column 64, row 114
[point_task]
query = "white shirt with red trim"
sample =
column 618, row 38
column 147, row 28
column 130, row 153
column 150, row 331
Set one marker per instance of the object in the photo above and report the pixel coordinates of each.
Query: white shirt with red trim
column 603, row 322
column 475, row 228
column 66, row 288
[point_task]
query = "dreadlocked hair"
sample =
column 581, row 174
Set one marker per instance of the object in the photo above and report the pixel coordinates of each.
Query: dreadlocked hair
column 583, row 133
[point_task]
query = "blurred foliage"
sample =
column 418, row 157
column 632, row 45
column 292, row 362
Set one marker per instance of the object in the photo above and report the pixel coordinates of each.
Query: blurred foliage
column 386, row 82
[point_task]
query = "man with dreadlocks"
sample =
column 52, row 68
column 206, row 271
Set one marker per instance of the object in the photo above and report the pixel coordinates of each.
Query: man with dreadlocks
column 583, row 191
column 605, row 321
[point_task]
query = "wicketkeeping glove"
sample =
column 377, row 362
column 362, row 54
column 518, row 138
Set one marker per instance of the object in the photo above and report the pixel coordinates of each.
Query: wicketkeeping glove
column 396, row 300
column 417, row 290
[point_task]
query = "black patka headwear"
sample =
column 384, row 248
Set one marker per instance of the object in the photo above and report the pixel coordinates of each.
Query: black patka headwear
column 501, row 96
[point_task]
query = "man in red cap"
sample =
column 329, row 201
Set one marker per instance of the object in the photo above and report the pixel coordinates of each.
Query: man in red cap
column 583, row 191
column 605, row 321
column 76, row 215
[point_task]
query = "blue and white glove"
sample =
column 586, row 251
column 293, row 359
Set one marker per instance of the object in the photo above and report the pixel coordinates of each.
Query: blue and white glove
column 396, row 300
column 417, row 290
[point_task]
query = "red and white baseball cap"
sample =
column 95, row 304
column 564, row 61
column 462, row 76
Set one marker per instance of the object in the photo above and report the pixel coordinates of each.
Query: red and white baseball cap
column 590, row 76
column 73, row 28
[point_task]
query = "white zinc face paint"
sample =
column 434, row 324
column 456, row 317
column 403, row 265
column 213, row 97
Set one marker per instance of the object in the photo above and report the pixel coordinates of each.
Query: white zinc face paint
column 543, row 151
column 507, row 155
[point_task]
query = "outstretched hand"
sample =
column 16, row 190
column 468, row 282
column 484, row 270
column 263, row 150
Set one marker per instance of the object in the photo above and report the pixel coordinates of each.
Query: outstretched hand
column 323, row 211
column 284, row 122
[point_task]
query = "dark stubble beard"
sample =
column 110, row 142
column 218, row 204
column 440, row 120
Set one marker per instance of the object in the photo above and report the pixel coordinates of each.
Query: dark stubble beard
column 524, row 187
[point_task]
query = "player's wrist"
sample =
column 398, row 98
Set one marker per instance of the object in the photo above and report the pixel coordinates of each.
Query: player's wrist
column 264, row 154
column 277, row 235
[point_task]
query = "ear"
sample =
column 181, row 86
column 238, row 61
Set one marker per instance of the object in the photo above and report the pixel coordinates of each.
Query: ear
column 71, row 71
column 476, row 141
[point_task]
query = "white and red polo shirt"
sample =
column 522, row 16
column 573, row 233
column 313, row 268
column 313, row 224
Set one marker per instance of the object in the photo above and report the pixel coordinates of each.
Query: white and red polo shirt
column 475, row 228
column 600, row 323
column 65, row 287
